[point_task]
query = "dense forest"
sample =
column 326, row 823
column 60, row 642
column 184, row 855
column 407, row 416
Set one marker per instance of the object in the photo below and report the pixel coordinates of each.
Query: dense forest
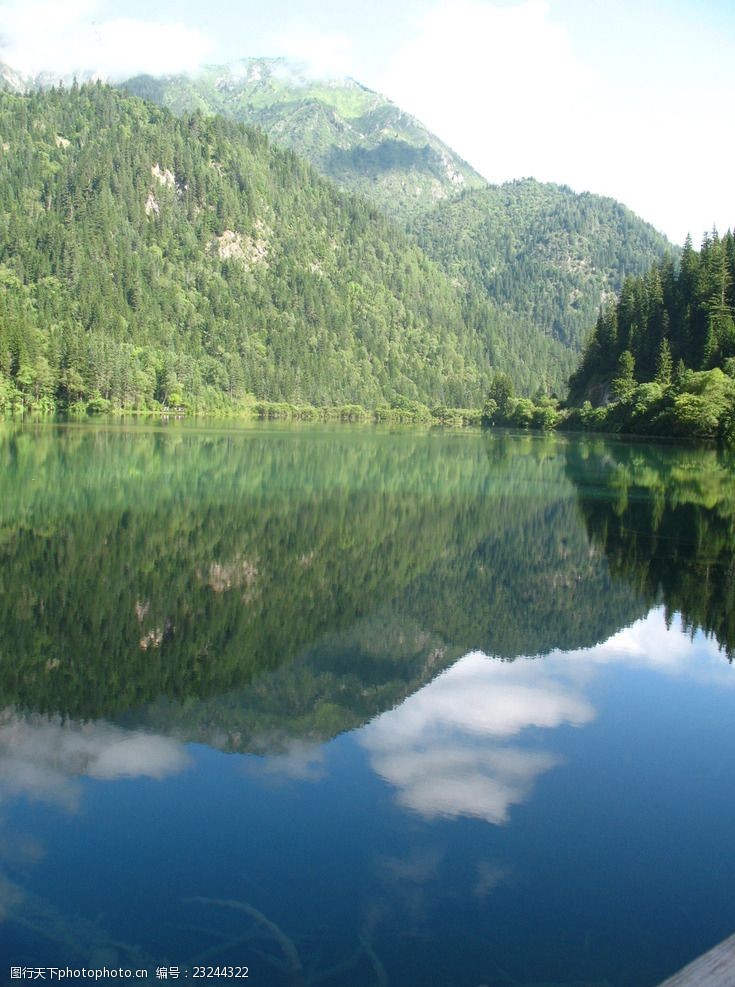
column 661, row 359
column 148, row 260
column 543, row 256
column 543, row 253
column 151, row 262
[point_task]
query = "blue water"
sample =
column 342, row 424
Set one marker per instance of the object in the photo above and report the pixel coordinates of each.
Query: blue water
column 559, row 818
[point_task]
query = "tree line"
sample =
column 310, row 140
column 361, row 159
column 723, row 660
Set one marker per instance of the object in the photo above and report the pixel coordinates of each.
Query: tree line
column 661, row 359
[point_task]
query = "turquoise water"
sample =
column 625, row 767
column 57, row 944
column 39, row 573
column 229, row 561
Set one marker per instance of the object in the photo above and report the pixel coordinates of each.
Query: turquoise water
column 361, row 707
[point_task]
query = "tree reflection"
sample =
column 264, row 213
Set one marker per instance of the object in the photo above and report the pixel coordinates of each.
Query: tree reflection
column 665, row 519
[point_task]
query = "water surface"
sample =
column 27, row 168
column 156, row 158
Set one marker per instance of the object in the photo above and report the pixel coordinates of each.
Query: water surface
column 364, row 707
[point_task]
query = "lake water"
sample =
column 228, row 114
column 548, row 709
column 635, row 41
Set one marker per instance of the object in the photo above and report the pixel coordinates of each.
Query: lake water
column 360, row 707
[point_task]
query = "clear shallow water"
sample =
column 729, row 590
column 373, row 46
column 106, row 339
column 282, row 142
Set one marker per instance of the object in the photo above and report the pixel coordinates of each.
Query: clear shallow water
column 350, row 707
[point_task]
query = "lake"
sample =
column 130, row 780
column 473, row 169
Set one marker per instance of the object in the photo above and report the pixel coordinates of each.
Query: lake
column 362, row 707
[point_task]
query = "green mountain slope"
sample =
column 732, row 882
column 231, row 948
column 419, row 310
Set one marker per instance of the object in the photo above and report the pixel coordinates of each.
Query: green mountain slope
column 542, row 252
column 545, row 257
column 353, row 135
column 145, row 258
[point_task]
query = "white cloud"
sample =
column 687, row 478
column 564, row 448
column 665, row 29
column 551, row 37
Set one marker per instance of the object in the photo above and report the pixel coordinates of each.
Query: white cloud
column 482, row 697
column 498, row 83
column 11, row 895
column 299, row 761
column 447, row 748
column 69, row 37
column 491, row 875
column 649, row 643
column 520, row 91
column 322, row 55
column 419, row 867
column 482, row 781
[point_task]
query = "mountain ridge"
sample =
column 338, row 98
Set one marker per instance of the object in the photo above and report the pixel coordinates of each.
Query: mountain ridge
column 531, row 263
column 541, row 250
column 351, row 133
column 544, row 256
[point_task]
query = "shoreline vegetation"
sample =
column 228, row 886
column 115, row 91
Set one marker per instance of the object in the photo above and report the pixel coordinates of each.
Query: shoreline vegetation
column 401, row 413
column 694, row 405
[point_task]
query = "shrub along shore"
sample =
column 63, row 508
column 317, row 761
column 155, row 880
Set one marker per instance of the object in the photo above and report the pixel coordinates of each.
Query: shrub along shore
column 691, row 405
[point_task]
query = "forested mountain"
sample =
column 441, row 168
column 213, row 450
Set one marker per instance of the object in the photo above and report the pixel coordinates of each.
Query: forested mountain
column 546, row 257
column 662, row 357
column 350, row 133
column 149, row 258
column 545, row 254
column 530, row 264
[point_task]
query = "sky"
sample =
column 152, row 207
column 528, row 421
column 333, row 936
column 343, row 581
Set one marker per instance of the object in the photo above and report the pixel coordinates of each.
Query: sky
column 634, row 100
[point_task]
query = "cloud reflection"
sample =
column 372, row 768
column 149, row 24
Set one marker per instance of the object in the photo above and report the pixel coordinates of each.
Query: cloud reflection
column 491, row 875
column 447, row 749
column 299, row 761
column 41, row 757
column 11, row 895
column 651, row 643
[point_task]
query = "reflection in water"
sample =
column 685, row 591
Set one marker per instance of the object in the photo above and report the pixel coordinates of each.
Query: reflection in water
column 661, row 643
column 473, row 742
column 41, row 757
column 301, row 600
column 491, row 875
column 44, row 759
column 300, row 761
column 445, row 748
column 187, row 565
column 665, row 519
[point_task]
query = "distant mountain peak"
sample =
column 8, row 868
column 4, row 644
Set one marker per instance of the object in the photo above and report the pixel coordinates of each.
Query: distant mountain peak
column 254, row 69
column 15, row 80
column 11, row 80
column 354, row 135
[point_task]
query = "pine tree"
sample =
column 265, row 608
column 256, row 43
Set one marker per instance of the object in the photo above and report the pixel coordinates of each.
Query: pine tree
column 624, row 383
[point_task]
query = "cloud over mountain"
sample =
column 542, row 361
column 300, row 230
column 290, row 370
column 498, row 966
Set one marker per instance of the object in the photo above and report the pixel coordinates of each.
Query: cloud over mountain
column 43, row 36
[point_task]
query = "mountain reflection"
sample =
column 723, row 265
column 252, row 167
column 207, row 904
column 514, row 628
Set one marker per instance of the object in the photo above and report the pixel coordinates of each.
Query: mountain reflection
column 468, row 743
column 665, row 520
column 256, row 589
column 346, row 616
column 139, row 563
column 473, row 742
